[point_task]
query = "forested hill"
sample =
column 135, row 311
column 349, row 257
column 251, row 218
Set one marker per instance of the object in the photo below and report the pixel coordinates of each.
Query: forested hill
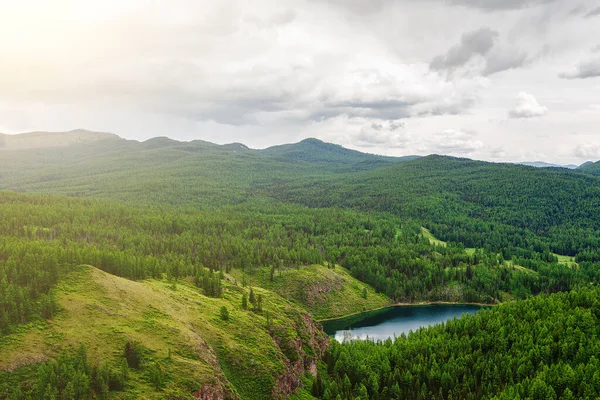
column 591, row 168
column 473, row 202
column 163, row 170
column 45, row 140
column 315, row 150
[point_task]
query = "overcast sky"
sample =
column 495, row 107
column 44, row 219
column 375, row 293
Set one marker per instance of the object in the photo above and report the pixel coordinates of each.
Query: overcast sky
column 500, row 80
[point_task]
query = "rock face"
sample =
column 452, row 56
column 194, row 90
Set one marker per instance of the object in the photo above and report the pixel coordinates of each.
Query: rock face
column 213, row 392
column 302, row 353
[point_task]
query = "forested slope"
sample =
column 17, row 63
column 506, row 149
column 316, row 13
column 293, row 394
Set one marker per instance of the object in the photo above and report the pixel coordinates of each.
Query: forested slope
column 476, row 203
column 542, row 348
column 591, row 168
column 166, row 171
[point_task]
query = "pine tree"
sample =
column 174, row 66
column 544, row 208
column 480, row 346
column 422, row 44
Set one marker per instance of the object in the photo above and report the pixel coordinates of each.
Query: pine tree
column 224, row 313
column 259, row 303
column 245, row 301
column 252, row 298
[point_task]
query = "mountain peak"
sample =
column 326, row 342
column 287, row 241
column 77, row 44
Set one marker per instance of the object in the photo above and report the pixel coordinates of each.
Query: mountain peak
column 312, row 140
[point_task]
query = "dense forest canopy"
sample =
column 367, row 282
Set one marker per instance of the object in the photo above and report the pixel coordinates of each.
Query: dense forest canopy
column 476, row 203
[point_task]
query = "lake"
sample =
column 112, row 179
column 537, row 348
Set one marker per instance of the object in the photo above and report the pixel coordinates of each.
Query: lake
column 387, row 322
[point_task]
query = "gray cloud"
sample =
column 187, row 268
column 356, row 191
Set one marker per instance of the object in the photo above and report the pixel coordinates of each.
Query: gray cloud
column 504, row 59
column 500, row 4
column 480, row 47
column 362, row 6
column 593, row 13
column 471, row 44
column 527, row 107
column 379, row 134
column 585, row 69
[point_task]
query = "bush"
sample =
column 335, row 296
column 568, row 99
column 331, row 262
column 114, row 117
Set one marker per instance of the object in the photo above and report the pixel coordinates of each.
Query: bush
column 224, row 313
column 134, row 354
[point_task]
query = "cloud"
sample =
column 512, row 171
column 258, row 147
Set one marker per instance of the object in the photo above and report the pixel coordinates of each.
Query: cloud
column 268, row 71
column 247, row 65
column 585, row 69
column 504, row 58
column 387, row 134
column 479, row 53
column 456, row 142
column 588, row 151
column 593, row 13
column 500, row 4
column 361, row 6
column 527, row 107
column 359, row 132
column 471, row 44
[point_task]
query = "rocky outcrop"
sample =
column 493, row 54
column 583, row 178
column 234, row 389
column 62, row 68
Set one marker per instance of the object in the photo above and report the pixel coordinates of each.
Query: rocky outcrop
column 213, row 391
column 303, row 345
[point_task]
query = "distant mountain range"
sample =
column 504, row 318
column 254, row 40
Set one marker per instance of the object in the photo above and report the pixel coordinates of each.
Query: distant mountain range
column 40, row 140
column 542, row 164
column 311, row 150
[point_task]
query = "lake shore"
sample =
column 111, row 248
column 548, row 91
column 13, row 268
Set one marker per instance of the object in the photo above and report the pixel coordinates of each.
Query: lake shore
column 402, row 304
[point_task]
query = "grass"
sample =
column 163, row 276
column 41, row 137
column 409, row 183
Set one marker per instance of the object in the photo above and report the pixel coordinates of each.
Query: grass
column 566, row 260
column 432, row 239
column 324, row 292
column 470, row 250
column 520, row 267
column 104, row 311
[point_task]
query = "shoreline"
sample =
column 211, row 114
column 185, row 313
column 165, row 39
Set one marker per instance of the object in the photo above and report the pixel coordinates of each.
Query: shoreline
column 418, row 304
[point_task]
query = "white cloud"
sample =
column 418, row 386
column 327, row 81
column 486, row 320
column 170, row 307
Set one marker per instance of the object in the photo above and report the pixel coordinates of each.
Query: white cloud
column 588, row 151
column 527, row 107
column 373, row 134
column 452, row 141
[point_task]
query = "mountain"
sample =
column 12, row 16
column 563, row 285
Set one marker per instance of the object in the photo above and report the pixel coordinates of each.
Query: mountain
column 542, row 164
column 460, row 200
column 592, row 168
column 166, row 170
column 585, row 164
column 316, row 151
column 45, row 140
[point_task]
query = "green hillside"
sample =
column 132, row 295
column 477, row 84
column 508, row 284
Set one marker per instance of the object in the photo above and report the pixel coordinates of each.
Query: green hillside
column 591, row 168
column 162, row 170
column 316, row 151
column 180, row 332
column 476, row 203
column 325, row 292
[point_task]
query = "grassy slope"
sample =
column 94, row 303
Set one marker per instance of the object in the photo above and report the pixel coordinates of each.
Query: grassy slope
column 432, row 239
column 566, row 260
column 239, row 356
column 324, row 292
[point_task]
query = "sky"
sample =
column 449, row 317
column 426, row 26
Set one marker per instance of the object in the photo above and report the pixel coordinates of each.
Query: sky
column 498, row 80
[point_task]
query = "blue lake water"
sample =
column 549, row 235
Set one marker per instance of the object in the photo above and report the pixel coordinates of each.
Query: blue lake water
column 385, row 323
